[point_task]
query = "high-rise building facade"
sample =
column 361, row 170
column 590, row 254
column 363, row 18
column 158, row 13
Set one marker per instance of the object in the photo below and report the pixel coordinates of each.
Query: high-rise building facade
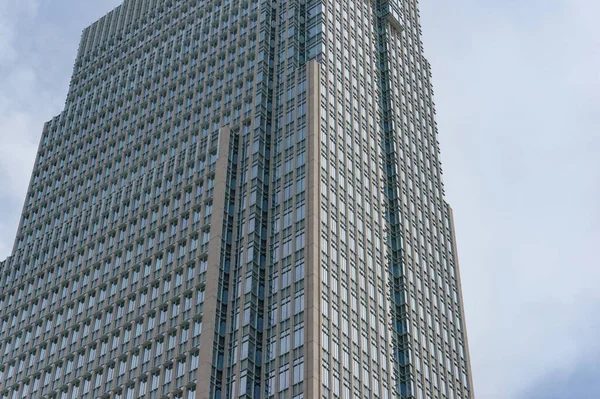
column 241, row 199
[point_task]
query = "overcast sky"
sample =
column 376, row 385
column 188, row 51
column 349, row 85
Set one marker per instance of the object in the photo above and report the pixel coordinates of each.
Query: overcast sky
column 517, row 90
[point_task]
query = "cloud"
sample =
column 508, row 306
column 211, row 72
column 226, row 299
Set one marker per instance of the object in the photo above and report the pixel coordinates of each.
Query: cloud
column 11, row 13
column 18, row 143
column 516, row 93
column 579, row 382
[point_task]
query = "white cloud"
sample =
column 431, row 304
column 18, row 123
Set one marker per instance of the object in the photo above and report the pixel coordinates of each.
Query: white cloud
column 516, row 91
column 18, row 142
column 10, row 14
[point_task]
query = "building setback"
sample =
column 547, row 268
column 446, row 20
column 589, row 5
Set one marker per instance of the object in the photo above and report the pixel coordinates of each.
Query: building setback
column 240, row 199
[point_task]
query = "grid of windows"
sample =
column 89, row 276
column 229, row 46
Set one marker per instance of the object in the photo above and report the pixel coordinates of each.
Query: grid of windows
column 386, row 237
column 110, row 271
column 240, row 199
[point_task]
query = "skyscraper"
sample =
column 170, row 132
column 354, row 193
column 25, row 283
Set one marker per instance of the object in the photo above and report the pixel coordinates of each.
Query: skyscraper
column 240, row 199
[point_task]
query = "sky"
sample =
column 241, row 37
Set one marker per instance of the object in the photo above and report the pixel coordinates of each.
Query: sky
column 517, row 92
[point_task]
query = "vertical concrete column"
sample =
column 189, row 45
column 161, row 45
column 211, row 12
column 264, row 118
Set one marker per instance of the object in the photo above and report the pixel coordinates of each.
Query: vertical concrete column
column 211, row 292
column 313, row 264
